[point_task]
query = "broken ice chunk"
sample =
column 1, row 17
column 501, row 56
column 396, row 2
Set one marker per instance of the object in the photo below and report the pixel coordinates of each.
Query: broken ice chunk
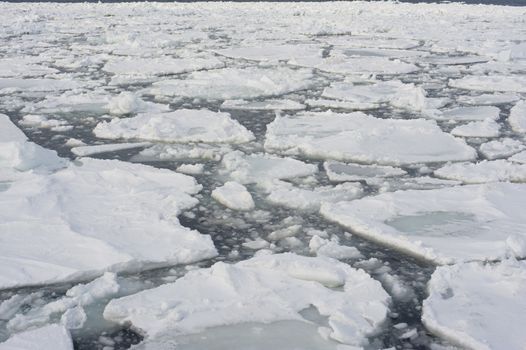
column 501, row 148
column 233, row 195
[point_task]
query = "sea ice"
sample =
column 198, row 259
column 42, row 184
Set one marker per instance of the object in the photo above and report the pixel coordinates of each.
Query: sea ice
column 258, row 168
column 454, row 60
column 83, row 151
column 519, row 157
column 468, row 113
column 51, row 337
column 340, row 172
column 160, row 65
column 488, row 99
column 183, row 125
column 191, row 169
column 272, row 52
column 233, row 195
column 233, row 83
column 485, row 128
column 502, row 83
column 8, row 85
column 332, row 248
column 485, row 171
column 502, row 148
column 478, row 306
column 267, row 288
column 517, row 118
column 163, row 152
column 357, row 137
column 40, row 121
column 455, row 224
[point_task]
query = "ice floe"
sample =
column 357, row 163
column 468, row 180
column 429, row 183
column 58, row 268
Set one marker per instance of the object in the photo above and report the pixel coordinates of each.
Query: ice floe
column 50, row 337
column 183, row 125
column 160, row 65
column 502, row 148
column 233, row 195
column 83, row 151
column 340, row 172
column 331, row 248
column 232, row 83
column 478, row 306
column 517, row 118
column 468, row 113
column 485, row 128
column 488, row 99
column 473, row 222
column 484, row 171
column 357, row 137
column 503, row 83
column 283, row 52
column 519, row 157
column 272, row 104
column 257, row 168
column 267, row 288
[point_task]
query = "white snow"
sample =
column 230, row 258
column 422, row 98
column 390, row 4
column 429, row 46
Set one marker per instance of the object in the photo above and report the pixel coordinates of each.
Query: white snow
column 267, row 288
column 51, row 337
column 484, row 171
column 485, row 128
column 357, row 137
column 478, row 306
column 257, row 168
column 233, row 83
column 183, row 125
column 445, row 225
column 340, row 172
column 502, row 148
column 233, row 195
column 517, row 118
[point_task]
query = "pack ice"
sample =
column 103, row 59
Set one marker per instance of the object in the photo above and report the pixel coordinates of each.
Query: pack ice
column 357, row 137
column 447, row 225
column 478, row 306
column 264, row 289
column 51, row 337
column 88, row 216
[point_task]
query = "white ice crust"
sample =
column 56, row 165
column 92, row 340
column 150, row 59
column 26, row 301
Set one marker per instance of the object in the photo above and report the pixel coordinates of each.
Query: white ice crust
column 500, row 83
column 501, row 148
column 357, row 137
column 485, row 128
column 51, row 337
column 233, row 195
column 266, row 289
column 478, row 306
column 484, row 171
column 183, row 125
column 455, row 224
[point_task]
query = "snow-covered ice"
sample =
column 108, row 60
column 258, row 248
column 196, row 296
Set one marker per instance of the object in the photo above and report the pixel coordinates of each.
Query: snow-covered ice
column 484, row 171
column 183, row 125
column 478, row 306
column 357, row 137
column 83, row 151
column 271, row 104
column 501, row 83
column 340, row 172
column 468, row 113
column 485, row 128
column 267, row 288
column 455, row 224
column 502, row 148
column 517, row 118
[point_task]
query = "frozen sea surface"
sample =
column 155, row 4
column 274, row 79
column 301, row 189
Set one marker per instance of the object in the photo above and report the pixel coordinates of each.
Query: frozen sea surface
column 171, row 177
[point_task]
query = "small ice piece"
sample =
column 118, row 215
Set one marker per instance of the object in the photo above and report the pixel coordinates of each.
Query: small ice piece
column 8, row 85
column 288, row 195
column 191, row 169
column 398, row 94
column 517, row 118
column 272, row 52
column 283, row 233
column 503, row 83
column 233, row 195
column 272, row 104
column 468, row 113
column 357, row 137
column 337, row 104
column 258, row 168
column 446, row 225
column 343, row 64
column 488, row 99
column 366, row 41
column 128, row 102
column 267, row 288
column 51, row 337
column 485, row 171
column 392, row 184
column 163, row 152
column 502, row 148
column 256, row 244
column 24, row 66
column 485, row 128
column 159, row 65
column 233, row 83
column 332, row 249
column 478, row 306
column 184, row 125
column 519, row 157
column 83, row 151
column 340, row 172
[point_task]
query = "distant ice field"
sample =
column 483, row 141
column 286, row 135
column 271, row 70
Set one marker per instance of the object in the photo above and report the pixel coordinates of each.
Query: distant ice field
column 294, row 175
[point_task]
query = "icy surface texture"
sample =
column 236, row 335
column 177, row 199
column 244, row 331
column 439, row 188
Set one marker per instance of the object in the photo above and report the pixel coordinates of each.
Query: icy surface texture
column 52, row 337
